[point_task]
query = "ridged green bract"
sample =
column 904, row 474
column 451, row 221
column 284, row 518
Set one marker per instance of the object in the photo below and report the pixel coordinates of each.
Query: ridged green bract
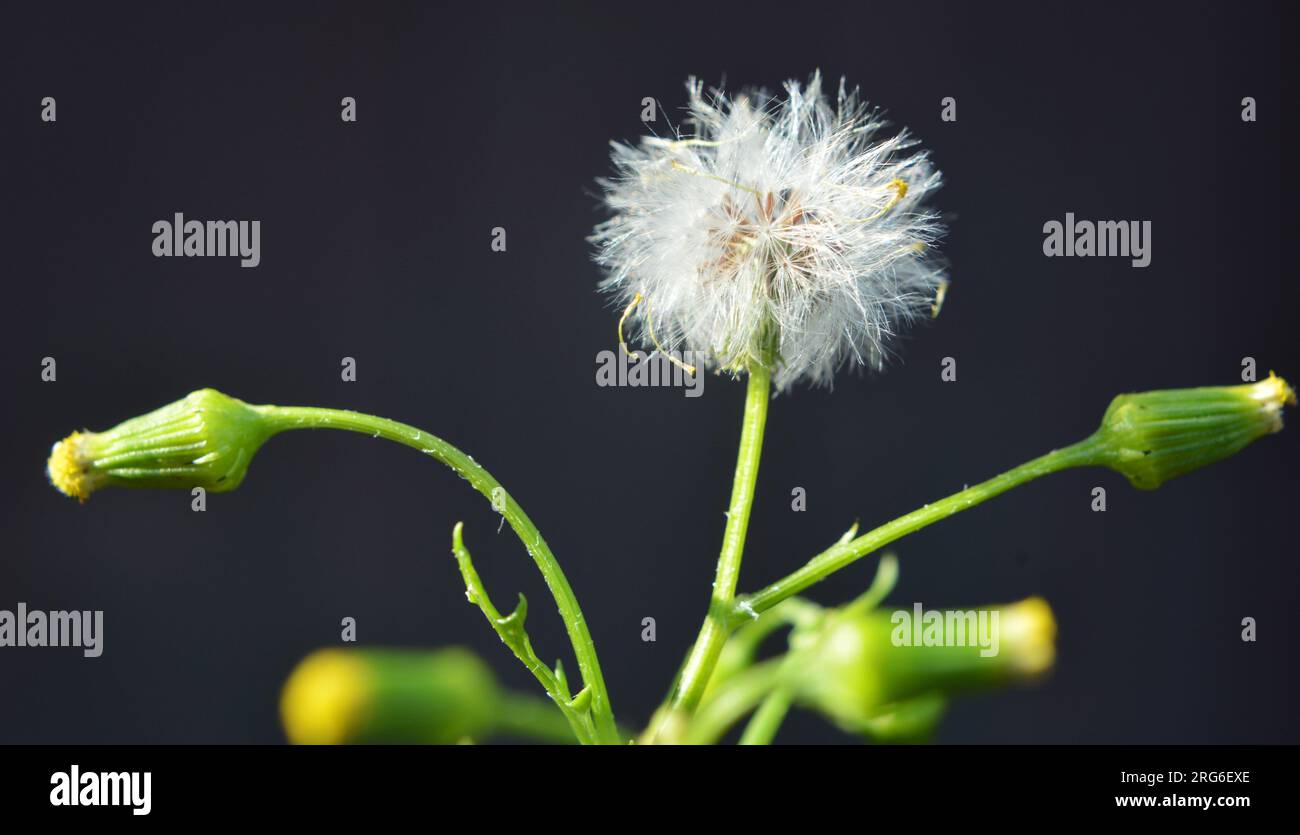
column 206, row 439
column 1154, row 436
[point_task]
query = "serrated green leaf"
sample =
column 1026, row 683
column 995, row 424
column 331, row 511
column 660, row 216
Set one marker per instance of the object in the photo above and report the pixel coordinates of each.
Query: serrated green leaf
column 510, row 629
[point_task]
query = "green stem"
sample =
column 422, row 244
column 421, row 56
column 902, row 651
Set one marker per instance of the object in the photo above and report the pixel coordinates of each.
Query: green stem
column 512, row 633
column 765, row 722
column 734, row 698
column 713, row 634
column 802, row 615
column 528, row 717
column 1084, row 453
column 283, row 418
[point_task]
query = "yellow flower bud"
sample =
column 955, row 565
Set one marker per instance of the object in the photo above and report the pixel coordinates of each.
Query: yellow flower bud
column 863, row 667
column 205, row 439
column 338, row 696
column 1154, row 436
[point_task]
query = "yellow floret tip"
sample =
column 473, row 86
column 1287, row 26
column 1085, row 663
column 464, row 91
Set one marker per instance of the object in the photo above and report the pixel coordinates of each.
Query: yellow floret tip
column 66, row 470
column 325, row 698
column 1280, row 390
column 1029, row 631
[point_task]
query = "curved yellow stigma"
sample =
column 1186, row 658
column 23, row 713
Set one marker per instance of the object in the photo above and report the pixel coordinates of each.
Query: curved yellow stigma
column 650, row 328
column 939, row 295
column 695, row 172
column 636, row 300
column 899, row 187
column 67, row 470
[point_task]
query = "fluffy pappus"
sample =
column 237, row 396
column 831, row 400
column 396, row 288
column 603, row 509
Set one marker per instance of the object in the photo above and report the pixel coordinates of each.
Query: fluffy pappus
column 789, row 231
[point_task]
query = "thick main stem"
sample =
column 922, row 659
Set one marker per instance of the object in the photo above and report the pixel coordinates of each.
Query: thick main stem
column 284, row 418
column 713, row 634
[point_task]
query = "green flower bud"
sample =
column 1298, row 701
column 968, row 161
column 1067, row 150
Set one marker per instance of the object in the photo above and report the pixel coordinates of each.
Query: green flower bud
column 863, row 668
column 205, row 439
column 337, row 696
column 912, row 721
column 1157, row 435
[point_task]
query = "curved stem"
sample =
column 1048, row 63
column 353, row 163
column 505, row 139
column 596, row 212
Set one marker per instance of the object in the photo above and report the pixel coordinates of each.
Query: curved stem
column 511, row 631
column 734, row 698
column 284, row 418
column 713, row 634
column 765, row 722
column 1084, row 453
column 529, row 717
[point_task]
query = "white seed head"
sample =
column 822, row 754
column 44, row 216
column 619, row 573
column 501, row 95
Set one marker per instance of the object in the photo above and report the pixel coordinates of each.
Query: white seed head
column 785, row 232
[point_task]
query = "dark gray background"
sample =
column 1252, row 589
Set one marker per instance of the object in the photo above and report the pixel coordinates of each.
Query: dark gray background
column 375, row 245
